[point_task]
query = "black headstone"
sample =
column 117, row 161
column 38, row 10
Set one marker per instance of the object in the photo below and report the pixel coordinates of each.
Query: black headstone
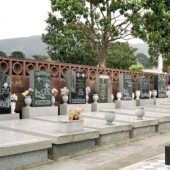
column 5, row 93
column 160, row 85
column 143, row 86
column 125, row 86
column 40, row 82
column 76, row 84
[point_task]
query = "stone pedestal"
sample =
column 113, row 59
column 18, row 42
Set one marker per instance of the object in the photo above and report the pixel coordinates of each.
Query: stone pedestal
column 29, row 112
column 65, row 108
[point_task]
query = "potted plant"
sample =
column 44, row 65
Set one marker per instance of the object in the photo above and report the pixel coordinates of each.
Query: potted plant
column 73, row 123
column 64, row 94
column 14, row 98
column 54, row 93
column 27, row 94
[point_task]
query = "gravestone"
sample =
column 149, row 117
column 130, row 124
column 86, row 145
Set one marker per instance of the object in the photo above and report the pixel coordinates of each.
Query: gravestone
column 103, row 88
column 76, row 84
column 143, row 86
column 160, row 85
column 5, row 93
column 40, row 82
column 125, row 86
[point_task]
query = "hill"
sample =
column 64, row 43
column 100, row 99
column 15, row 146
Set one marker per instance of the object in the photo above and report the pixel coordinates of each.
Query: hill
column 34, row 46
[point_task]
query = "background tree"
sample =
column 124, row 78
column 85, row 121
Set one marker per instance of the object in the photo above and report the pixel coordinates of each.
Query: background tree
column 101, row 21
column 154, row 27
column 2, row 53
column 120, row 55
column 136, row 67
column 143, row 59
column 40, row 57
column 18, row 54
column 68, row 44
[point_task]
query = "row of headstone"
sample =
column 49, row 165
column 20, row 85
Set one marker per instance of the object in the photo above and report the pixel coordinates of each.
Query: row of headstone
column 40, row 82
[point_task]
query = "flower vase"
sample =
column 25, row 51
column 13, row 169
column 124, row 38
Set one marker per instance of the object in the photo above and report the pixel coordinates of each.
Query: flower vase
column 95, row 98
column 150, row 94
column 119, row 95
column 112, row 97
column 137, row 92
column 28, row 100
column 13, row 105
column 64, row 98
column 154, row 93
column 87, row 98
column 133, row 96
column 53, row 100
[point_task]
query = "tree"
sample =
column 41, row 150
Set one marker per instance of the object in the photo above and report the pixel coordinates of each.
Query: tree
column 101, row 21
column 2, row 53
column 154, row 27
column 67, row 43
column 136, row 67
column 120, row 55
column 40, row 57
column 17, row 54
column 143, row 59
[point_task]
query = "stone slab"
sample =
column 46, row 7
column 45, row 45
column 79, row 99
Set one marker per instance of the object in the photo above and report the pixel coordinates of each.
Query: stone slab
column 30, row 112
column 142, row 102
column 97, row 106
column 163, row 119
column 17, row 149
column 139, row 127
column 161, row 100
column 50, row 130
column 65, row 108
column 123, row 103
column 9, row 116
column 108, row 133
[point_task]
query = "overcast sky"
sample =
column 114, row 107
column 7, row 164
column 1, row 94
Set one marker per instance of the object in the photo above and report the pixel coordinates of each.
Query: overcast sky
column 23, row 18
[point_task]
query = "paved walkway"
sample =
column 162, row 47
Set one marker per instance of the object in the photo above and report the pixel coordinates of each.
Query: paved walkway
column 114, row 157
column 155, row 163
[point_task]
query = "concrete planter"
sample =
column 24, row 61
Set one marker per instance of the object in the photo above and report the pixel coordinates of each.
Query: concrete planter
column 71, row 126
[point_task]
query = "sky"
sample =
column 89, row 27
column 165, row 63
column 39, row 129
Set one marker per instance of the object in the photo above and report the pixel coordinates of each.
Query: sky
column 24, row 18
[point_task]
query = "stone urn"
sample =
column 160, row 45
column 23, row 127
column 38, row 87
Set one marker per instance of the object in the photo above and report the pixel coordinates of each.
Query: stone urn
column 95, row 98
column 137, row 92
column 154, row 93
column 109, row 117
column 119, row 95
column 140, row 113
column 28, row 100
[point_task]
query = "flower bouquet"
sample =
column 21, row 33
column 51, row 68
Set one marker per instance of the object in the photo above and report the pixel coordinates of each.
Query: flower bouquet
column 14, row 97
column 28, row 92
column 75, row 114
column 64, row 91
column 88, row 90
column 54, row 92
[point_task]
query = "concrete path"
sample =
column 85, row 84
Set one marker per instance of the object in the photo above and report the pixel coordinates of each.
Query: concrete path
column 113, row 157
